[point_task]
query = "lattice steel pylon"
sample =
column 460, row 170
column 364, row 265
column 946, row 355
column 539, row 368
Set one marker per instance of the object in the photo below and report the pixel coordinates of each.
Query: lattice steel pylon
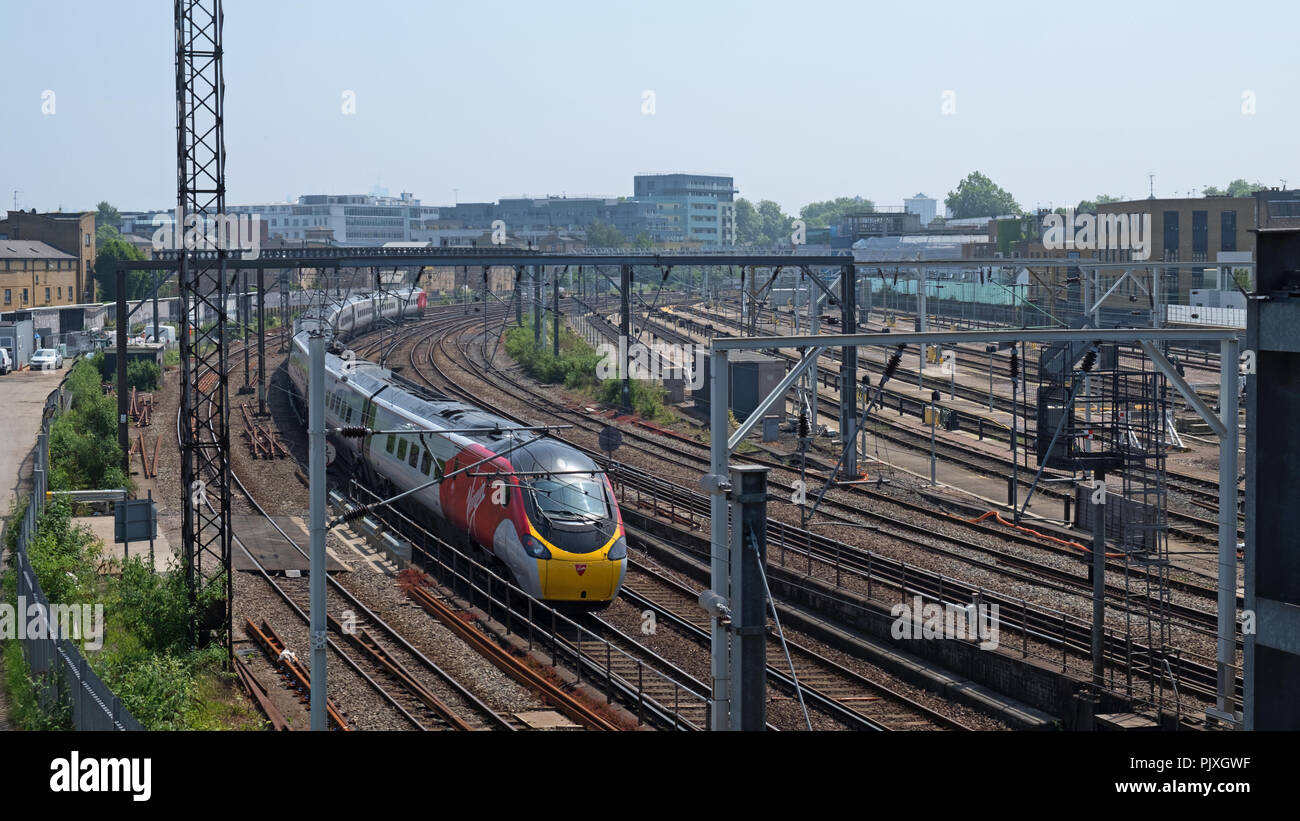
column 203, row 286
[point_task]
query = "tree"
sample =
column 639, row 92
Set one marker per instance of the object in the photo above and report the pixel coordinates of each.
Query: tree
column 1090, row 206
column 104, row 233
column 600, row 235
column 775, row 226
column 107, row 215
column 748, row 228
column 824, row 213
column 643, row 242
column 1241, row 188
column 977, row 196
column 106, row 259
column 1236, row 188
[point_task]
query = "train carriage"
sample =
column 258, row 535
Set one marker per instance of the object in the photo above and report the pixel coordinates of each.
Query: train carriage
column 540, row 507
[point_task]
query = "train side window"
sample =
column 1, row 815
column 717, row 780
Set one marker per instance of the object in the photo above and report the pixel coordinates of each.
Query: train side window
column 392, row 443
column 415, row 456
column 438, row 467
column 401, row 449
column 425, row 462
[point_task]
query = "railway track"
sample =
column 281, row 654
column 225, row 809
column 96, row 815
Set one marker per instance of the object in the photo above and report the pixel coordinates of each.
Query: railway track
column 1201, row 489
column 912, row 514
column 416, row 688
column 1071, row 637
column 827, row 704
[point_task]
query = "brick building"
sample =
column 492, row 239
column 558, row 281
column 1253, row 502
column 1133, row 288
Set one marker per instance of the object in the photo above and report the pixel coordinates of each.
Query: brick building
column 34, row 274
column 73, row 234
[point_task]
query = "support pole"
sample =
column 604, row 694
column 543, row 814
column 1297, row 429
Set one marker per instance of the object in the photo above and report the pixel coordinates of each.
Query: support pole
column 1098, row 585
column 519, row 295
column 242, row 302
column 123, row 435
column 538, row 271
column 555, row 315
column 719, row 550
column 625, row 334
column 157, row 332
column 849, row 370
column 261, row 342
column 316, row 464
column 1226, row 654
column 921, row 323
column 749, row 599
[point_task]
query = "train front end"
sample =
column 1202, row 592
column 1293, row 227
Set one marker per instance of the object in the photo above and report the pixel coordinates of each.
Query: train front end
column 574, row 528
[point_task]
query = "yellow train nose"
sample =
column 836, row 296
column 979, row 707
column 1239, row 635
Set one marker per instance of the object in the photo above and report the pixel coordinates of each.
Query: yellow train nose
column 593, row 580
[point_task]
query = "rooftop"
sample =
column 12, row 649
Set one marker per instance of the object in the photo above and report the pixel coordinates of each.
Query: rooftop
column 29, row 249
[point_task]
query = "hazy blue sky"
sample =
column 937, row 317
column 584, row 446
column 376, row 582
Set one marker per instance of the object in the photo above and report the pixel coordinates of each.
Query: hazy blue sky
column 798, row 101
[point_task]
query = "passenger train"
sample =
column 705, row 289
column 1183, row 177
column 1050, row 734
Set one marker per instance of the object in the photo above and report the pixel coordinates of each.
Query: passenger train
column 537, row 505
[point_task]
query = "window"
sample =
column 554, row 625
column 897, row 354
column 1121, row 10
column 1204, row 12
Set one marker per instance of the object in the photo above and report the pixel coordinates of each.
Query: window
column 60, row 292
column 1171, row 235
column 414, row 459
column 9, row 296
column 47, row 294
column 87, row 240
column 401, row 449
column 425, row 462
column 392, row 443
column 1200, row 233
column 24, row 296
column 1228, row 226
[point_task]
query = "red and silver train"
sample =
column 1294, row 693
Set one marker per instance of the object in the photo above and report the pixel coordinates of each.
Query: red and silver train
column 542, row 508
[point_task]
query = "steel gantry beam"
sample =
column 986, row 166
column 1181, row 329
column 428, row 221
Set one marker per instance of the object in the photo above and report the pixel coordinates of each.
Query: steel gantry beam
column 202, row 284
column 719, row 600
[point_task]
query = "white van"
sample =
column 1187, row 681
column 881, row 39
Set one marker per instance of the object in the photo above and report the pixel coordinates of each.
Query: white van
column 6, row 363
column 166, row 333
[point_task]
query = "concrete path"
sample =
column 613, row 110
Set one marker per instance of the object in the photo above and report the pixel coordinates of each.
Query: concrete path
column 22, row 396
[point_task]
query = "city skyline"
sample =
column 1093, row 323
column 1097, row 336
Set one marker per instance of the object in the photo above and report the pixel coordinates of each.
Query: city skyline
column 539, row 110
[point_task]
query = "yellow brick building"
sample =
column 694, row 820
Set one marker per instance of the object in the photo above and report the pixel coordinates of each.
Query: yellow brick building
column 33, row 275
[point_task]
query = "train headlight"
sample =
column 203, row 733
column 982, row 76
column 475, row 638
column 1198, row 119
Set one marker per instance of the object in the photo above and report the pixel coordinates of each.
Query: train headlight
column 619, row 550
column 534, row 547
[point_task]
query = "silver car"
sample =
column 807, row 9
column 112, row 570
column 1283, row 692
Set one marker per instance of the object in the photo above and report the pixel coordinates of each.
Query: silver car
column 46, row 359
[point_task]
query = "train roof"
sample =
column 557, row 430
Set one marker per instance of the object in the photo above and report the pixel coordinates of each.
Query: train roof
column 443, row 413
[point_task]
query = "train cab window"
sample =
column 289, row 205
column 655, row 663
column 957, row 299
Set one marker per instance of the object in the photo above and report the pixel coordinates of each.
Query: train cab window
column 401, row 449
column 392, row 443
column 425, row 463
column 415, row 456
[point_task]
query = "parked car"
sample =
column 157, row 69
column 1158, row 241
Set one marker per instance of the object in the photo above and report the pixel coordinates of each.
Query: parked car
column 6, row 364
column 46, row 359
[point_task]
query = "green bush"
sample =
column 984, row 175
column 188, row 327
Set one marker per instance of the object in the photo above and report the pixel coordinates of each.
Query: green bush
column 575, row 367
column 143, row 376
column 83, row 439
column 647, row 397
column 65, row 558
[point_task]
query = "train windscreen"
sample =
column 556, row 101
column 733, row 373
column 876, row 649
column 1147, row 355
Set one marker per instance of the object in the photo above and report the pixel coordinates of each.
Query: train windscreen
column 570, row 497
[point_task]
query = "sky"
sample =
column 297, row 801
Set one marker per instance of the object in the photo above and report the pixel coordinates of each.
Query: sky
column 476, row 101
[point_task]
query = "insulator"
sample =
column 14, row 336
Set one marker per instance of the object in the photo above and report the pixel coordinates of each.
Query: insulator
column 355, row 513
column 892, row 365
column 1015, row 363
column 1089, row 359
column 803, row 425
column 354, row 432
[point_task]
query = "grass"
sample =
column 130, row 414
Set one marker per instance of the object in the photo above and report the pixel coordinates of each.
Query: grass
column 576, row 369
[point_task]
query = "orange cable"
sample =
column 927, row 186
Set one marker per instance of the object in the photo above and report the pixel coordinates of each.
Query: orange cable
column 998, row 516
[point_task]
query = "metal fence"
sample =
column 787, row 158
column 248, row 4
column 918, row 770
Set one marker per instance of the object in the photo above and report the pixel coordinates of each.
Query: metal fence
column 63, row 676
